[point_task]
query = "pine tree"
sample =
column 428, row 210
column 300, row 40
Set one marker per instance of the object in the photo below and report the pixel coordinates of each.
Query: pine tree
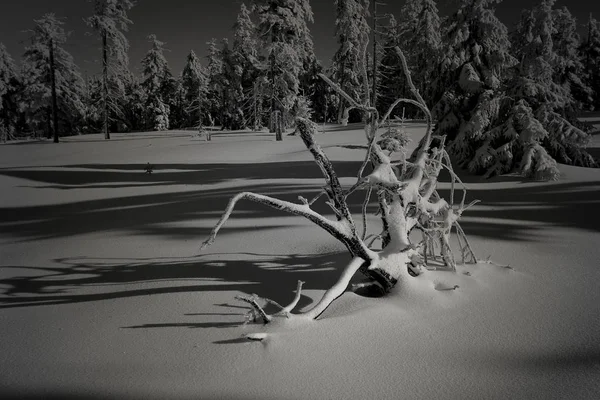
column 156, row 85
column 194, row 86
column 547, row 81
column 351, row 30
column 214, row 74
column 110, row 21
column 9, row 88
column 53, row 86
column 423, row 46
column 392, row 81
column 568, row 64
column 284, row 35
column 232, row 100
column 245, row 57
column 132, row 103
column 475, row 62
column 590, row 54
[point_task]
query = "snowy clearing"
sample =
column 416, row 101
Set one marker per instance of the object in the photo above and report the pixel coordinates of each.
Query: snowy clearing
column 103, row 293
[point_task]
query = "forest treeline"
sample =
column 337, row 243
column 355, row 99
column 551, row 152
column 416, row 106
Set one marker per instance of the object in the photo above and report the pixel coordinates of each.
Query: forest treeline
column 504, row 99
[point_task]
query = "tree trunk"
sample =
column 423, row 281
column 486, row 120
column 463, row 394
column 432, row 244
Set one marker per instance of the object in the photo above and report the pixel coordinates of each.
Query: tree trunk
column 53, row 85
column 374, row 90
column 105, row 84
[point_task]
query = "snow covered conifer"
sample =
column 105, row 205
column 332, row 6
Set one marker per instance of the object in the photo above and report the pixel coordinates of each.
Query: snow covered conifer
column 156, row 78
column 53, row 87
column 547, row 80
column 111, row 22
column 232, row 90
column 214, row 71
column 568, row 64
column 475, row 60
column 495, row 124
column 423, row 46
column 284, row 34
column 9, row 87
column 590, row 54
column 351, row 27
column 246, row 64
column 194, row 86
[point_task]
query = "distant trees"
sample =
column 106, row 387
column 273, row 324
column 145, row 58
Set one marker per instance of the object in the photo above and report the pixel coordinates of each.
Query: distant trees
column 503, row 102
column 110, row 21
column 53, row 89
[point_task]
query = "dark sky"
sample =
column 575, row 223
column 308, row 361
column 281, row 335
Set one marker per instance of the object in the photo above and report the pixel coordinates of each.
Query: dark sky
column 189, row 24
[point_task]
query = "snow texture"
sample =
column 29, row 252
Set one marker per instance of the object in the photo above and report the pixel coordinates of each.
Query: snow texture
column 102, row 293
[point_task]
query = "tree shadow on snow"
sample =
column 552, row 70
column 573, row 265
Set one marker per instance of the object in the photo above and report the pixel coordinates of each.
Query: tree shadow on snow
column 564, row 204
column 271, row 276
column 111, row 176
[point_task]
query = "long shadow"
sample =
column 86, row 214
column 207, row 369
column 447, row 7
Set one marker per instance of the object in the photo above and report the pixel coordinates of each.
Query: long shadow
column 573, row 205
column 190, row 325
column 148, row 214
column 127, row 175
column 271, row 276
column 564, row 204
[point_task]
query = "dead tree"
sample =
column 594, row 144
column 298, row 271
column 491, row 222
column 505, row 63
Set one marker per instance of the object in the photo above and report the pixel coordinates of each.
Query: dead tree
column 408, row 199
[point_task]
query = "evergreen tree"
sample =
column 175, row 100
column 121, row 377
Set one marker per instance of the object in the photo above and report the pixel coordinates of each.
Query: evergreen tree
column 232, row 93
column 53, row 86
column 92, row 120
column 351, row 30
column 475, row 61
column 156, row 85
column 110, row 21
column 9, row 89
column 214, row 74
column 132, row 104
column 568, row 64
column 194, row 87
column 284, row 35
column 245, row 57
column 546, row 80
column 497, row 127
column 590, row 54
column 423, row 45
column 392, row 81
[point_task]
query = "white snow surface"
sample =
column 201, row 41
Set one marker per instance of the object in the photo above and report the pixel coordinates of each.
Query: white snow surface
column 103, row 293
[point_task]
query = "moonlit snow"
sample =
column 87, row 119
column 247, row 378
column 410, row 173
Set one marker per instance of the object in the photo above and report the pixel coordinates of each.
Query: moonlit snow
column 103, row 293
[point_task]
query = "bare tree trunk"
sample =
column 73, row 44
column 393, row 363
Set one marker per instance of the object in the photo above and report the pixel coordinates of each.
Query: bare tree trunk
column 53, row 84
column 105, row 84
column 254, row 105
column 374, row 90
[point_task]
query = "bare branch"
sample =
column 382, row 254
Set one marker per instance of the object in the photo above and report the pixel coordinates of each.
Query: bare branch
column 256, row 307
column 290, row 307
column 364, row 212
column 337, row 229
column 336, row 290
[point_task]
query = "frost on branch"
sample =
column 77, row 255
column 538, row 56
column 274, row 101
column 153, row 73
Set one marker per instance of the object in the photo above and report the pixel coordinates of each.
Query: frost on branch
column 406, row 192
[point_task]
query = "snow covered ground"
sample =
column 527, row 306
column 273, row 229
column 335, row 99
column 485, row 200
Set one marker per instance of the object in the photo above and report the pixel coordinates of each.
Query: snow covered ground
column 103, row 293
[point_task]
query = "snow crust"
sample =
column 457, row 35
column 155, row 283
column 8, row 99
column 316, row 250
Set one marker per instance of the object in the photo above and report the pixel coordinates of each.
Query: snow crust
column 103, row 293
